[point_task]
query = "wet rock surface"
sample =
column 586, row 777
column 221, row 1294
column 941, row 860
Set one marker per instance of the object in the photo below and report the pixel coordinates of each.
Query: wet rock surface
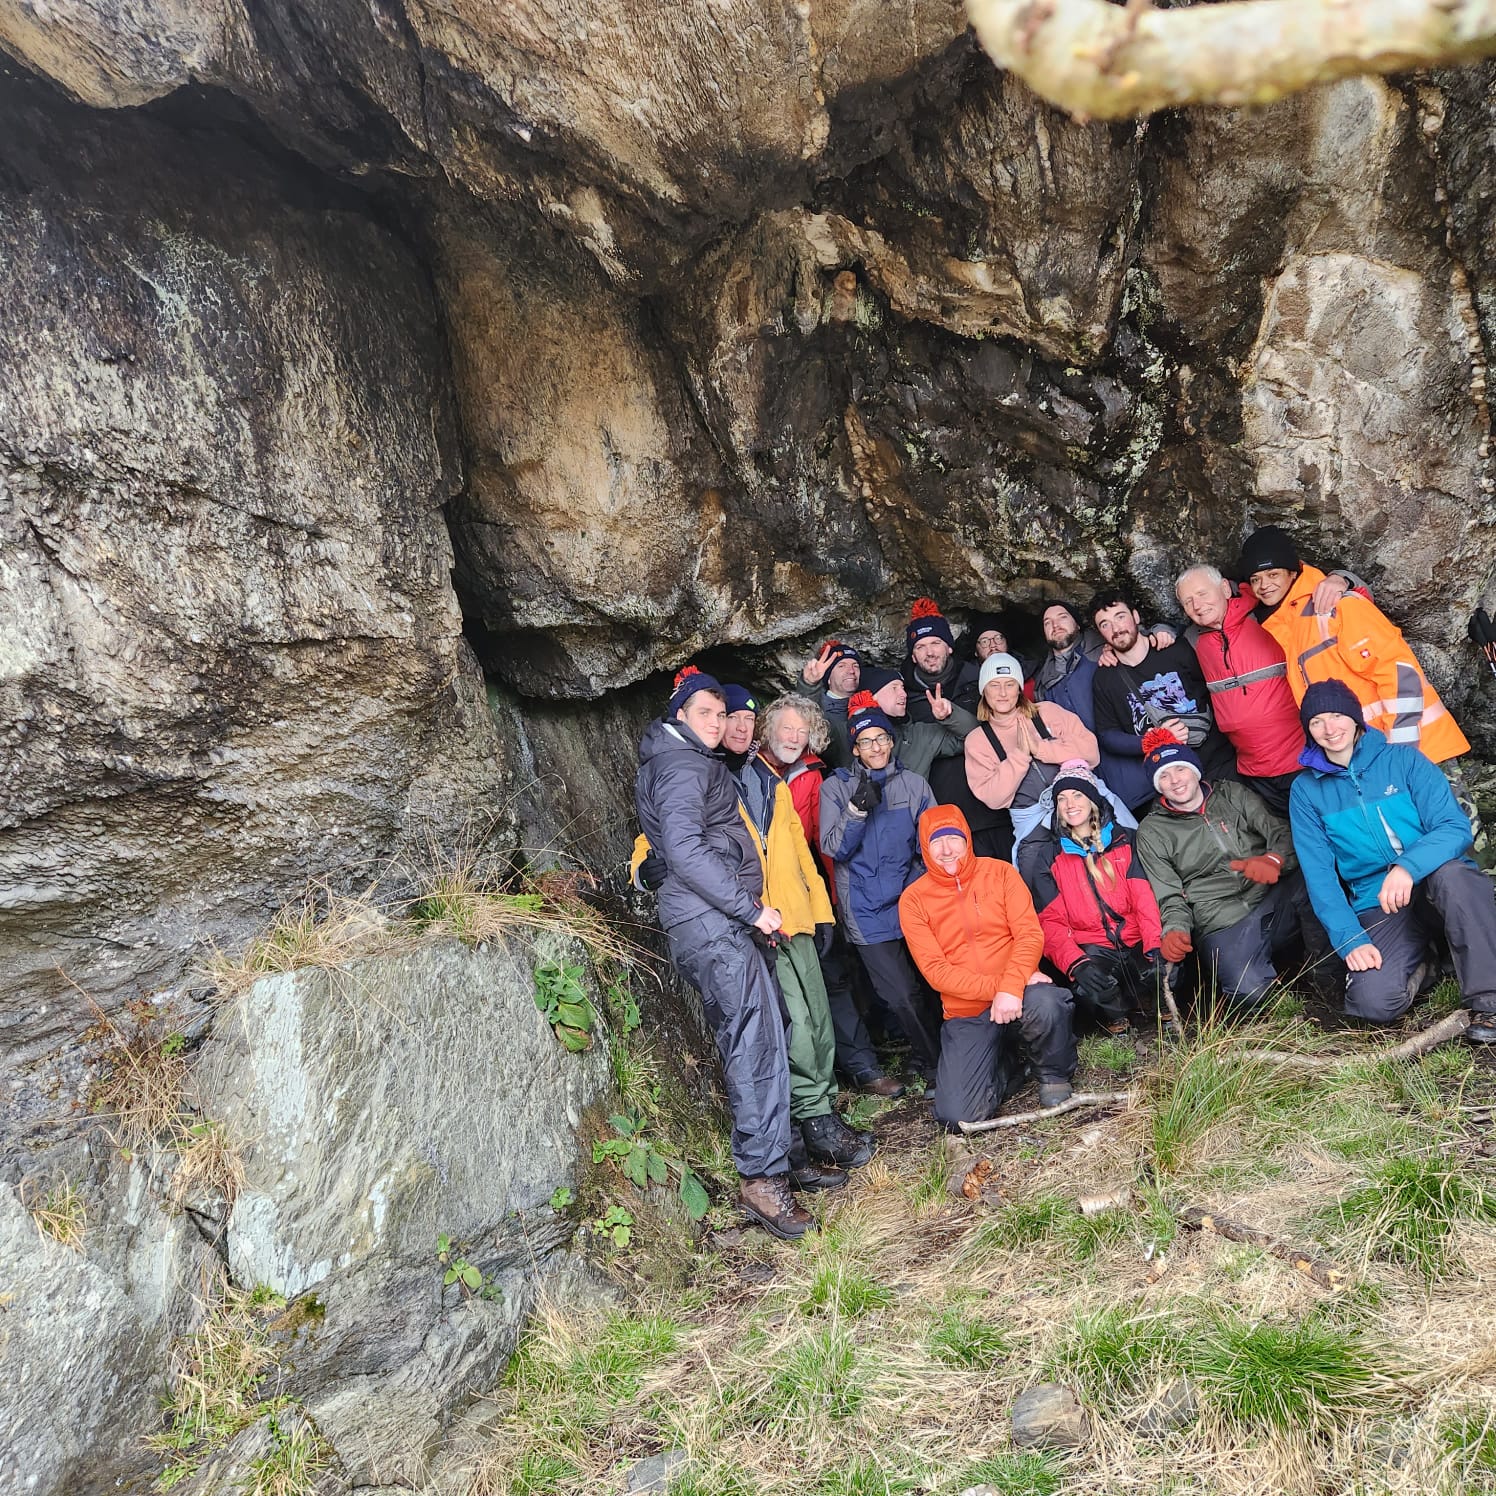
column 395, row 394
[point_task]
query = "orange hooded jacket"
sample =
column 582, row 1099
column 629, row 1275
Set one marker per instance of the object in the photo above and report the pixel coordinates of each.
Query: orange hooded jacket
column 973, row 934
column 1360, row 645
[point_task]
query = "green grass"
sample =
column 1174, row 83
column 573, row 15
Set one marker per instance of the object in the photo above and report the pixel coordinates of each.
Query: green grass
column 715, row 1480
column 1107, row 1052
column 1051, row 1218
column 1468, row 1438
column 816, row 1379
column 1116, row 1354
column 928, row 1185
column 957, row 1339
column 841, row 1289
column 539, row 1473
column 579, row 1381
column 1304, row 1375
column 1408, row 1211
column 863, row 1477
column 1209, row 1086
column 1017, row 1474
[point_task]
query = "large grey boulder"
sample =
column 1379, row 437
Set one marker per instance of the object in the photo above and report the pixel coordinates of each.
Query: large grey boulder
column 379, row 1107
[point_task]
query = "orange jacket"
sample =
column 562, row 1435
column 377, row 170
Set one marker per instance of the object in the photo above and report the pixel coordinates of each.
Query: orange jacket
column 972, row 935
column 1360, row 645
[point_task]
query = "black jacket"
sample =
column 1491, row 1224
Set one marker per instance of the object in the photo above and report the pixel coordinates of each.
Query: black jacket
column 958, row 683
column 687, row 802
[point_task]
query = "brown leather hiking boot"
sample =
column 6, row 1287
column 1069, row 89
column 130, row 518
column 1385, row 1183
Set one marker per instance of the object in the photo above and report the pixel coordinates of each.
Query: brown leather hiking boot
column 885, row 1086
column 767, row 1200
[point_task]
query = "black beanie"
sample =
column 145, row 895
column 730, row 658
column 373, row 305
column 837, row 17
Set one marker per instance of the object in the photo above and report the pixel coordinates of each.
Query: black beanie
column 1267, row 549
column 1330, row 696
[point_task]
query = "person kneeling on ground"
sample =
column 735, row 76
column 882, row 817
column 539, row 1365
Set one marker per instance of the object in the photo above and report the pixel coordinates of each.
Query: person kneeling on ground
column 870, row 831
column 1096, row 908
column 1378, row 822
column 713, row 912
column 1223, row 868
column 971, row 928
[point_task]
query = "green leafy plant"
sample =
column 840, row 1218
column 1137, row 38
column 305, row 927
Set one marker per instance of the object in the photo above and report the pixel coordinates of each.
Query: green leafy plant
column 617, row 1225
column 561, row 1197
column 559, row 994
column 469, row 1278
column 643, row 1164
column 623, row 1004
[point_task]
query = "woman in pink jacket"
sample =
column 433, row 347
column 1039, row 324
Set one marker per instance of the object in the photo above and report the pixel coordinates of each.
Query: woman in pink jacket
column 1019, row 747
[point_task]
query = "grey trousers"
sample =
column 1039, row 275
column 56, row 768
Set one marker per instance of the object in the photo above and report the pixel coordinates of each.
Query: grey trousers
column 1458, row 897
column 1241, row 955
column 977, row 1055
column 894, row 978
column 720, row 958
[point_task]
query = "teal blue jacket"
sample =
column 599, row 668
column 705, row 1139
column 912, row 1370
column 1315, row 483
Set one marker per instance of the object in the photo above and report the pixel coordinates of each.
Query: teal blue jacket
column 1389, row 807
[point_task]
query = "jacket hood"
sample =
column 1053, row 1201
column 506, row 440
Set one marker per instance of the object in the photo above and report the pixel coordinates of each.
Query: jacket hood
column 1368, row 745
column 944, row 818
column 664, row 736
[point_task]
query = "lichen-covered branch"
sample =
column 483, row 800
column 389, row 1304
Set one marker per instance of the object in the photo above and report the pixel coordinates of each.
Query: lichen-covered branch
column 1106, row 61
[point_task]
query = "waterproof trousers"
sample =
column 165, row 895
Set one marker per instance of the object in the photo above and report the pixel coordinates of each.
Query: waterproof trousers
column 812, row 1046
column 855, row 1056
column 1456, row 896
column 1240, row 957
column 895, row 980
column 1133, row 985
column 724, row 962
column 977, row 1056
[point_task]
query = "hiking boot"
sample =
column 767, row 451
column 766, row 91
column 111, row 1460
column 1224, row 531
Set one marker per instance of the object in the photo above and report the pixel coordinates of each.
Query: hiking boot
column 829, row 1140
column 1482, row 1029
column 1116, row 1027
column 809, row 1177
column 883, row 1085
column 1053, row 1092
column 766, row 1199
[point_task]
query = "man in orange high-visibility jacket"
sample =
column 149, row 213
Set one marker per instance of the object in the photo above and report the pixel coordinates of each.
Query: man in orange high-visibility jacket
column 1356, row 643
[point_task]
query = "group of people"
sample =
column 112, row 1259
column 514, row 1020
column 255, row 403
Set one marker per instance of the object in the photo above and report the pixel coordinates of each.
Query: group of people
column 987, row 854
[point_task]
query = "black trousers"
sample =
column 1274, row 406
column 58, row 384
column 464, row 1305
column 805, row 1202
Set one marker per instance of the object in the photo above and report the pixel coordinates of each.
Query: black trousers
column 1133, row 984
column 895, row 980
column 720, row 958
column 855, row 1056
column 979, row 1058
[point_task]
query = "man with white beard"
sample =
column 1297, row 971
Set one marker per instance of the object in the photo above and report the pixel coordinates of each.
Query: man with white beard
column 794, row 732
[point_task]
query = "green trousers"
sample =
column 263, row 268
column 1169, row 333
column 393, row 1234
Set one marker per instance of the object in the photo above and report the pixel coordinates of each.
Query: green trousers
column 812, row 1039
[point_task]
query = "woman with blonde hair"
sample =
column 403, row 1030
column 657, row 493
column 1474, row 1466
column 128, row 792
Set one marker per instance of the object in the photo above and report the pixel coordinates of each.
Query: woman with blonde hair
column 1100, row 918
column 1017, row 749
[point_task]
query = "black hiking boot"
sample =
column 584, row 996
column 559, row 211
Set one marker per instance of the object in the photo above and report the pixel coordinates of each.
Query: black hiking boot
column 829, row 1140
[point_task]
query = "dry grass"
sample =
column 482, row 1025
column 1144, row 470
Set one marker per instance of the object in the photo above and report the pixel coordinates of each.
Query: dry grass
column 882, row 1354
column 60, row 1214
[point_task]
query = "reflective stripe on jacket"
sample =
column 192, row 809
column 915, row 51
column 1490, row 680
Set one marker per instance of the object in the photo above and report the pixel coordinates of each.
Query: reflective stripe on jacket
column 1360, row 645
column 1253, row 703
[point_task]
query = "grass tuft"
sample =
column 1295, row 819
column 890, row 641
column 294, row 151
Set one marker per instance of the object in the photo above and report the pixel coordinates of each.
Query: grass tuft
column 957, row 1339
column 1116, row 1354
column 60, row 1214
column 1408, row 1212
column 1107, row 1052
column 817, row 1378
column 1018, row 1474
column 841, row 1289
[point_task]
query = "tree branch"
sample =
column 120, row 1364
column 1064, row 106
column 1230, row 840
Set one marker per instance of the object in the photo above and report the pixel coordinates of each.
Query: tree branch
column 1102, row 61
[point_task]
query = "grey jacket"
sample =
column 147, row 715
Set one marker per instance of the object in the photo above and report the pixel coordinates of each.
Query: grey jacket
column 687, row 802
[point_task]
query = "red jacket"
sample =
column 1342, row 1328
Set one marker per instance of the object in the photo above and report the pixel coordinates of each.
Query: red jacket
column 1069, row 902
column 1249, row 692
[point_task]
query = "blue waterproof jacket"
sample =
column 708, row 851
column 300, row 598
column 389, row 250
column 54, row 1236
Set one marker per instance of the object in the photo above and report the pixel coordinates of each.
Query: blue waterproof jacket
column 1388, row 807
column 874, row 857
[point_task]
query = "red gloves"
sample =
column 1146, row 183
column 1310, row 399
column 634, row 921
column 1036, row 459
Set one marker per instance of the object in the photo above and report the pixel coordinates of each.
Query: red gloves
column 1176, row 945
column 1262, row 869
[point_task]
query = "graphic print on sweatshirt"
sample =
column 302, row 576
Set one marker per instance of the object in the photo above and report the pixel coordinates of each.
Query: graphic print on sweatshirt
column 1166, row 693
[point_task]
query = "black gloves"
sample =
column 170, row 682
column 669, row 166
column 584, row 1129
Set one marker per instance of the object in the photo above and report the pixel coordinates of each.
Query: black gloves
column 652, row 871
column 825, row 934
column 1092, row 981
column 867, row 797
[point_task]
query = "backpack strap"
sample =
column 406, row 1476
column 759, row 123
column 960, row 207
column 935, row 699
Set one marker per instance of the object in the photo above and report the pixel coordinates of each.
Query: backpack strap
column 997, row 747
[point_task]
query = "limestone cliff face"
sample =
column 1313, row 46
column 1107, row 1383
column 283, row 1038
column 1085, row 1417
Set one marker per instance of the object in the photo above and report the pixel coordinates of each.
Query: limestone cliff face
column 390, row 392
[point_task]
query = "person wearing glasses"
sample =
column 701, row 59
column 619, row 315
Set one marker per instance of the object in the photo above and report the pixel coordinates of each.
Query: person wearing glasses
column 870, row 831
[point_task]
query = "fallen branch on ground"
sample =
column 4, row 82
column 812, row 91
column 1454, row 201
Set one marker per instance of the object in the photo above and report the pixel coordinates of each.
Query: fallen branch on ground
column 1085, row 1098
column 1103, row 61
column 1443, row 1032
column 1316, row 1268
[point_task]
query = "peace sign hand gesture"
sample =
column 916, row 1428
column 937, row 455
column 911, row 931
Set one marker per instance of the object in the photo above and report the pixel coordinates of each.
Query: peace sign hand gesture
column 940, row 708
column 813, row 672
